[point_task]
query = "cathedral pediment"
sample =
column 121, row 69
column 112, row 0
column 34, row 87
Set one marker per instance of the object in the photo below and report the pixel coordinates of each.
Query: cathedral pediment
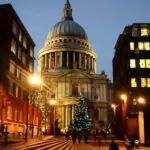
column 77, row 74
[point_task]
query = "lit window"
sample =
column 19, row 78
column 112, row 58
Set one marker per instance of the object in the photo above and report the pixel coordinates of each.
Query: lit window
column 134, row 32
column 19, row 52
column 13, row 46
column 142, row 63
column 11, row 88
column 144, row 32
column 11, row 68
column 31, row 51
column 133, row 82
column 143, row 82
column 21, row 116
column 132, row 63
column 131, row 45
column 24, row 58
column 15, row 114
column 18, row 73
column 24, row 42
column 146, row 46
column 17, row 91
column 148, row 82
column 31, row 67
column 9, row 112
column 140, row 45
column 20, row 35
column 14, row 28
column 147, row 63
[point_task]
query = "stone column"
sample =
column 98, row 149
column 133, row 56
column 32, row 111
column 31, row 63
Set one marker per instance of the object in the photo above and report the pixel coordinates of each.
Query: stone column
column 61, row 55
column 55, row 60
column 45, row 61
column 74, row 58
column 79, row 60
column 66, row 123
column 49, row 60
column 67, row 59
column 85, row 61
column 95, row 65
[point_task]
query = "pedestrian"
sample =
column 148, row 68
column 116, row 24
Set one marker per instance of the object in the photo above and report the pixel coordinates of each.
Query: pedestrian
column 74, row 136
column 85, row 137
column 67, row 136
column 79, row 136
column 99, row 139
column 94, row 135
column 113, row 146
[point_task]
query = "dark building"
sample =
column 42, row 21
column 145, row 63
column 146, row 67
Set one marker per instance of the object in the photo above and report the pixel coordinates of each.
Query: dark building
column 16, row 64
column 131, row 77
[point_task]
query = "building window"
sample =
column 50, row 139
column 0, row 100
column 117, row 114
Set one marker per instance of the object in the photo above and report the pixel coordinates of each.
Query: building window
column 74, row 89
column 30, row 67
column 18, row 73
column 17, row 91
column 13, row 46
column 146, row 46
column 31, row 51
column 140, row 46
column 142, row 63
column 12, row 68
column 131, row 45
column 14, row 27
column 11, row 88
column 134, row 31
column 19, row 52
column 133, row 82
column 9, row 112
column 15, row 115
column 24, row 42
column 148, row 82
column 132, row 63
column 20, row 35
column 144, row 31
column 147, row 63
column 21, row 116
column 143, row 82
column 24, row 58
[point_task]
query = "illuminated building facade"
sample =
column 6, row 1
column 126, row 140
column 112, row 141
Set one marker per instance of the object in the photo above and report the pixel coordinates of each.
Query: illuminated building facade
column 16, row 64
column 67, row 65
column 131, row 76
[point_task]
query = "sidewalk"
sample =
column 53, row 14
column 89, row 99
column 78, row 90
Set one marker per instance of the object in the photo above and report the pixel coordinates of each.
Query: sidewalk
column 12, row 142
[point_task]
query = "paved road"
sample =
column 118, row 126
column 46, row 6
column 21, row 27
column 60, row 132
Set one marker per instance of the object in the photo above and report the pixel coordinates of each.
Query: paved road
column 59, row 143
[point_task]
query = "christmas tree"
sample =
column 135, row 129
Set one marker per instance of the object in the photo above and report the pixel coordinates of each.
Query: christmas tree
column 81, row 120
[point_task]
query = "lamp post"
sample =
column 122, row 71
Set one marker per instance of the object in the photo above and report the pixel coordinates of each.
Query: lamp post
column 34, row 81
column 53, row 103
column 141, row 103
column 124, row 111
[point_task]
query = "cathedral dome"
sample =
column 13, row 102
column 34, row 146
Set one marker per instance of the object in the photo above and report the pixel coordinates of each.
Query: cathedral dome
column 67, row 28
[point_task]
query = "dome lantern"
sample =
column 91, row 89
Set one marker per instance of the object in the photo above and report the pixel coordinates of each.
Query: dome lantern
column 67, row 11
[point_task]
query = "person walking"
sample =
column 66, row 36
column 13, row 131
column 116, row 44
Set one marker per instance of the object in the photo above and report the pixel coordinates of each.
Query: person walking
column 85, row 137
column 79, row 136
column 99, row 140
column 113, row 146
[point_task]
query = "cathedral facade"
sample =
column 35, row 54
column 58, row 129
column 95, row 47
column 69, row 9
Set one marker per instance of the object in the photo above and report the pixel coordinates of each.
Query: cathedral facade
column 67, row 65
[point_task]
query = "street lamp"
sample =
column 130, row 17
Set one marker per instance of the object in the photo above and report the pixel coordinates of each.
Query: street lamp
column 53, row 103
column 34, row 81
column 141, row 103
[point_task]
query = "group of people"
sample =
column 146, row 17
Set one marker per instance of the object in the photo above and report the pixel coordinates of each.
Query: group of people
column 77, row 135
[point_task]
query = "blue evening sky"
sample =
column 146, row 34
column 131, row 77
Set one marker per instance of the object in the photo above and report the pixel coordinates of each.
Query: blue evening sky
column 103, row 20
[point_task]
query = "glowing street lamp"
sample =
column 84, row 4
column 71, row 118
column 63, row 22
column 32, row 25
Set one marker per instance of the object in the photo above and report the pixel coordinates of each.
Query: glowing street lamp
column 141, row 101
column 123, row 97
column 33, row 80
